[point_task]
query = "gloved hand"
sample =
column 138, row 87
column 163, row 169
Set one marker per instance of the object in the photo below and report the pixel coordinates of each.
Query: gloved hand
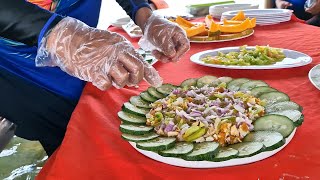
column 166, row 40
column 314, row 9
column 98, row 56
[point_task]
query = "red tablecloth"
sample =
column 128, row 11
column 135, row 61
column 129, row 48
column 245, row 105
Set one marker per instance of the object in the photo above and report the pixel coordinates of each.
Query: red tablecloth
column 93, row 148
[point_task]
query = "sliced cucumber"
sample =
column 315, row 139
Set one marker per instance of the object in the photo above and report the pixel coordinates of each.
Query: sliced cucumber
column 247, row 149
column 273, row 97
column 180, row 149
column 257, row 91
column 273, row 122
column 295, row 115
column 139, row 138
column 203, row 151
column 235, row 84
column 225, row 79
column 128, row 107
column 137, row 101
column 226, row 153
column 270, row 139
column 166, row 88
column 188, row 83
column 252, row 84
column 220, row 80
column 146, row 97
column 154, row 93
column 158, row 144
column 135, row 129
column 129, row 118
column 206, row 80
column 281, row 106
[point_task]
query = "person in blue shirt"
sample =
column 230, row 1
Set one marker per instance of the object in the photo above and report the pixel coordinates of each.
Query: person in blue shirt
column 50, row 48
column 310, row 14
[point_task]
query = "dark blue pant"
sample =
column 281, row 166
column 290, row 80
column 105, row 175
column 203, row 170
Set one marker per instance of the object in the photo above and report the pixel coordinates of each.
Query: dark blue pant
column 39, row 114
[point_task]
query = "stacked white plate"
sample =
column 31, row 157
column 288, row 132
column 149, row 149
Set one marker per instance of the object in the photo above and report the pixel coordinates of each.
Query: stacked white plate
column 263, row 16
column 217, row 10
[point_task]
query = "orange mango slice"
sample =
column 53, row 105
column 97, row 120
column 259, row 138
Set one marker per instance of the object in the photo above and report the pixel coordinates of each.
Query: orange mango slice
column 195, row 30
column 183, row 22
column 236, row 28
column 239, row 17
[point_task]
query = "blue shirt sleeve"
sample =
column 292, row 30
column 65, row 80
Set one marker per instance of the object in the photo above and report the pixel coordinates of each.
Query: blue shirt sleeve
column 132, row 6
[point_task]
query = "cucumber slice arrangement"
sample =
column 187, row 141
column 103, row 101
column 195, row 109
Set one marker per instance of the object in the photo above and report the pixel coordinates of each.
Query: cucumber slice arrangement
column 158, row 144
column 154, row 93
column 270, row 131
column 225, row 153
column 274, row 97
column 180, row 149
column 281, row 106
column 166, row 89
column 135, row 129
column 147, row 97
column 258, row 91
column 139, row 138
column 270, row 139
column 235, row 84
column 188, row 83
column 137, row 101
column 203, row 151
column 130, row 108
column 252, row 84
column 277, row 123
column 295, row 115
column 206, row 80
column 247, row 149
column 130, row 118
column 225, row 79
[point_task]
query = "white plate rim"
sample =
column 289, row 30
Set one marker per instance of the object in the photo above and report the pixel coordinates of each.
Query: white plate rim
column 225, row 40
column 310, row 79
column 208, row 164
column 120, row 21
column 127, row 30
column 195, row 59
column 281, row 12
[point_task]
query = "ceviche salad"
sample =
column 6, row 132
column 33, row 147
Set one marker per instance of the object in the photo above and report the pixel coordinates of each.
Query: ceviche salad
column 260, row 55
column 210, row 118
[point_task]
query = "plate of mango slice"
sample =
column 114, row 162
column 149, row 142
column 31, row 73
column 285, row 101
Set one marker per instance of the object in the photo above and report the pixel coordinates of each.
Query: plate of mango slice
column 209, row 31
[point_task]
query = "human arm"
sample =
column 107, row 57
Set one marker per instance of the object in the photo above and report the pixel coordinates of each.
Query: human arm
column 282, row 4
column 100, row 57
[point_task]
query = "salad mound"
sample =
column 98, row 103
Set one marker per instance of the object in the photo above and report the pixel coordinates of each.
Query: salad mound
column 205, row 114
column 260, row 55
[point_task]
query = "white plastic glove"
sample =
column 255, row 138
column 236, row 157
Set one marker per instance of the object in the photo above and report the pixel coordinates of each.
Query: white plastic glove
column 98, row 56
column 167, row 41
column 314, row 9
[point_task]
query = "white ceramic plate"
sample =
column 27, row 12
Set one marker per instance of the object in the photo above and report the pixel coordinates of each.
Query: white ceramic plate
column 132, row 30
column 258, row 17
column 120, row 22
column 215, row 41
column 217, row 10
column 207, row 164
column 261, row 12
column 293, row 59
column 314, row 76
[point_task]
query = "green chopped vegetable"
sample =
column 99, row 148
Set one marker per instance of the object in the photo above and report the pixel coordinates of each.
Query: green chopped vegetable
column 261, row 55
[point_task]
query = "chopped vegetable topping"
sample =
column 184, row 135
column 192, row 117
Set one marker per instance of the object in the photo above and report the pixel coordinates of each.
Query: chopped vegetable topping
column 261, row 55
column 205, row 114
